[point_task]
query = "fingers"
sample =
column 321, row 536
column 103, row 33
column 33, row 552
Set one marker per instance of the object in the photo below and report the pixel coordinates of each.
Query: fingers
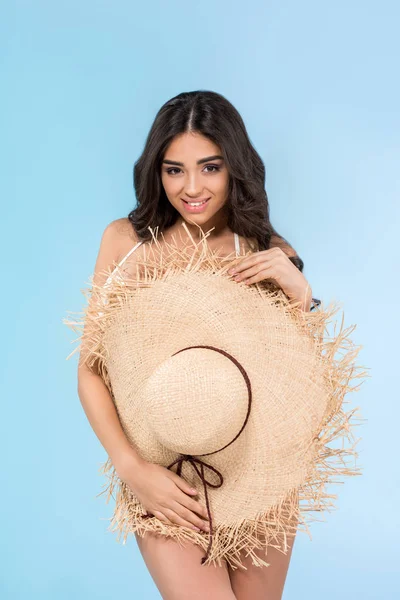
column 194, row 505
column 182, row 516
column 161, row 517
column 193, row 512
column 186, row 501
column 182, row 484
column 180, row 508
column 172, row 518
column 187, row 512
column 261, row 269
column 270, row 256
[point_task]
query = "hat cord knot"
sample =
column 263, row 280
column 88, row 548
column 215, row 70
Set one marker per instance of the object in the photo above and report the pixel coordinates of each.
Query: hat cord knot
column 206, row 483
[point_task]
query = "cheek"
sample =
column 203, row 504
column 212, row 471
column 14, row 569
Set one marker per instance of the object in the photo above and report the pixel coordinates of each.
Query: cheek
column 220, row 186
column 171, row 186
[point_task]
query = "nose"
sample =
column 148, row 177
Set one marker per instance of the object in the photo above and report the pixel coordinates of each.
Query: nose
column 193, row 187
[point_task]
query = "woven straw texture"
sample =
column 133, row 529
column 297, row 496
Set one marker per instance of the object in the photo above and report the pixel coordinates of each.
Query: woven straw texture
column 299, row 438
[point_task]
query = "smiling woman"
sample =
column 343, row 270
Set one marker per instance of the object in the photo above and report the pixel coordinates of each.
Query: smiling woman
column 198, row 169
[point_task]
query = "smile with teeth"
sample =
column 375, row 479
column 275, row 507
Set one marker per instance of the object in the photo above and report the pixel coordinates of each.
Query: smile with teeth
column 196, row 203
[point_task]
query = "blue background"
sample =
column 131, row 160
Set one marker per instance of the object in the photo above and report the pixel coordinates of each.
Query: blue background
column 318, row 88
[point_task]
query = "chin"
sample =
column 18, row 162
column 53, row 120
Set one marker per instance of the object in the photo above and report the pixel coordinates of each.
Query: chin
column 198, row 219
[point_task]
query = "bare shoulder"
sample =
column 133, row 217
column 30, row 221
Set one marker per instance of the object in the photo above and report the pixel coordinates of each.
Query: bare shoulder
column 120, row 230
column 117, row 238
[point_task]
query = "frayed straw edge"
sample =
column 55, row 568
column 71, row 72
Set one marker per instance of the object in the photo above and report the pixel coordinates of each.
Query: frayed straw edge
column 330, row 463
column 246, row 536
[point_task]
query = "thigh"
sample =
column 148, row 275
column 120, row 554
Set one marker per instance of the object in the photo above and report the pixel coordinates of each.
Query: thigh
column 177, row 571
column 262, row 583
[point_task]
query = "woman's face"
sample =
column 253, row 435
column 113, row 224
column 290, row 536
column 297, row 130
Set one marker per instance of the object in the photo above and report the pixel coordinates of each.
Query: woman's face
column 193, row 171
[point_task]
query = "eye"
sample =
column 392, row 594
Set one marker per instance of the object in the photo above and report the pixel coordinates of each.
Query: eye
column 216, row 167
column 169, row 171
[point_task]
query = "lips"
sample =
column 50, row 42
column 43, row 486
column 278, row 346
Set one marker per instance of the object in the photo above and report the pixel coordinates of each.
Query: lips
column 195, row 208
column 195, row 201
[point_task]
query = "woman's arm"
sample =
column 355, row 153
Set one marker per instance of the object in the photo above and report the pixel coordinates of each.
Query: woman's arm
column 163, row 493
column 275, row 264
column 93, row 392
column 310, row 303
column 103, row 418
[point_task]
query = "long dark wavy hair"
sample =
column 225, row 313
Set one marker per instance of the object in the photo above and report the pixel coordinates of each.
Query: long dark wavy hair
column 213, row 116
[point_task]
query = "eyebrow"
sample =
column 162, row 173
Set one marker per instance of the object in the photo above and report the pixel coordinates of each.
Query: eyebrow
column 199, row 162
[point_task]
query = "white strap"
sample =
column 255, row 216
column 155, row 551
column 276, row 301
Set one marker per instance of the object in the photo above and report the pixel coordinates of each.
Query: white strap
column 121, row 262
column 129, row 253
column 237, row 244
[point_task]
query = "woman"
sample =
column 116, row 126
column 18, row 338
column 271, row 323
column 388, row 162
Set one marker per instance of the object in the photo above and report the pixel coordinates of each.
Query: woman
column 198, row 167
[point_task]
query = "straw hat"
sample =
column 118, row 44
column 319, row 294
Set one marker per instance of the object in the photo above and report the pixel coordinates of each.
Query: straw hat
column 231, row 386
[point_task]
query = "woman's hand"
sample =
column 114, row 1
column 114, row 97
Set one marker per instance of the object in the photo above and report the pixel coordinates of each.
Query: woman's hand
column 165, row 495
column 273, row 264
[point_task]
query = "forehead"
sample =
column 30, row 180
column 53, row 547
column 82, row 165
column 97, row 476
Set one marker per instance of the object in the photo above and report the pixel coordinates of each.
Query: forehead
column 191, row 145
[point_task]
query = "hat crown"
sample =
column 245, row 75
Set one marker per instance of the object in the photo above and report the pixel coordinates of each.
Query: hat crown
column 196, row 400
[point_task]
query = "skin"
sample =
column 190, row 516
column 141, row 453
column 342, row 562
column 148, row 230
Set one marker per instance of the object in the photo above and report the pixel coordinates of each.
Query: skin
column 176, row 569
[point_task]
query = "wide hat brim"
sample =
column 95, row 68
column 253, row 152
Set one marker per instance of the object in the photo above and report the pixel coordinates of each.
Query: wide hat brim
column 276, row 472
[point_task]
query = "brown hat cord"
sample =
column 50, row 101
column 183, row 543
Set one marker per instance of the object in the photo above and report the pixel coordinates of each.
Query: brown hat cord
column 298, row 437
